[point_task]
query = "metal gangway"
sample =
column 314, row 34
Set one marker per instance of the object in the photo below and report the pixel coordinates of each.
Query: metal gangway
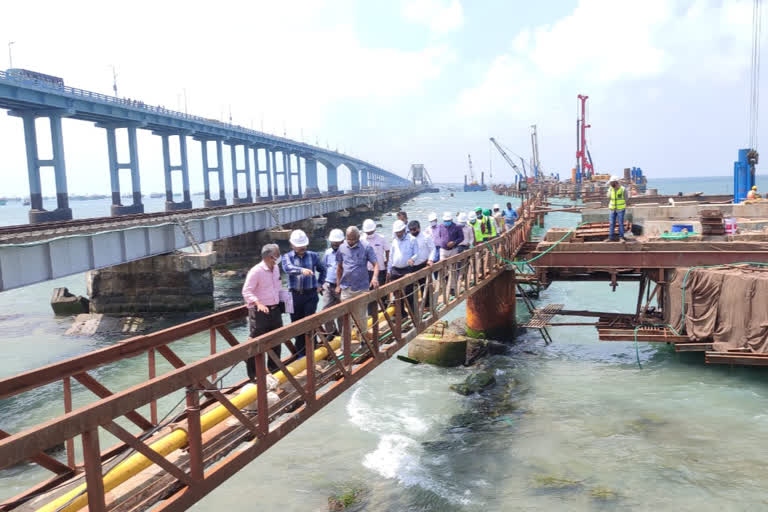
column 170, row 462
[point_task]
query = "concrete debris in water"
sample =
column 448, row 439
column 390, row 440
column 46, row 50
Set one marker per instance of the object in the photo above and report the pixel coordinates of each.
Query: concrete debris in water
column 64, row 303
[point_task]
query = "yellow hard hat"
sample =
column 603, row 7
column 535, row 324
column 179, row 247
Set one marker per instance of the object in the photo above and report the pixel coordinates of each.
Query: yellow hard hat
column 754, row 187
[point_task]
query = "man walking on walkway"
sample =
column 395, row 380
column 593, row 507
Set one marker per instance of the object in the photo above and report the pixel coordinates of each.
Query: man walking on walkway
column 380, row 246
column 352, row 271
column 510, row 217
column 425, row 247
column 330, row 297
column 447, row 238
column 261, row 293
column 402, row 258
column 301, row 266
column 617, row 205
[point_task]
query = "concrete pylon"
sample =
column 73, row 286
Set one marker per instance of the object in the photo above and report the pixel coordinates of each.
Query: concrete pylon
column 491, row 310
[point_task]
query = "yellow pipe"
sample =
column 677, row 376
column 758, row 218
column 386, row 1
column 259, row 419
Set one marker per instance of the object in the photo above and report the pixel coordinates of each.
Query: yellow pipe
column 136, row 463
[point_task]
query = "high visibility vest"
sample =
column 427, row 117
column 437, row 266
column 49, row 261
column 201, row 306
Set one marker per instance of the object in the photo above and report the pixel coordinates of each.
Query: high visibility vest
column 617, row 202
column 490, row 226
column 478, row 229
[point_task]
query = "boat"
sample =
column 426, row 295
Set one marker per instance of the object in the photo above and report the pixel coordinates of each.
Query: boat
column 473, row 185
column 155, row 195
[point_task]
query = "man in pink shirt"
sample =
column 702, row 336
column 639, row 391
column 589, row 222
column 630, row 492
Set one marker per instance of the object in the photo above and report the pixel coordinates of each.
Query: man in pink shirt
column 261, row 293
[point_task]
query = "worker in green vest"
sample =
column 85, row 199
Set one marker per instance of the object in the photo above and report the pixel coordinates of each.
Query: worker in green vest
column 477, row 228
column 489, row 225
column 617, row 205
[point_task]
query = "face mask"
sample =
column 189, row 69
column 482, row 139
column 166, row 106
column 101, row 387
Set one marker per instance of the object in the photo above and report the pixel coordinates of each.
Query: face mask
column 479, row 215
column 447, row 223
column 472, row 221
column 433, row 223
column 462, row 224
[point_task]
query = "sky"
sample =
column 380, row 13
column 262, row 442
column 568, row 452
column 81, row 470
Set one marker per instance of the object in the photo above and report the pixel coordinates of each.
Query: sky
column 403, row 81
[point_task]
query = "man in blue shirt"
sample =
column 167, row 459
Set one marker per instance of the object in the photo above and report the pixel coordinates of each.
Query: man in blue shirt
column 510, row 217
column 352, row 271
column 301, row 265
column 330, row 297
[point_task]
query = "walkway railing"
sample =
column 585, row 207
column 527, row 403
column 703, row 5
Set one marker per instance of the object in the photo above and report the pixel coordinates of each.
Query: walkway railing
column 193, row 452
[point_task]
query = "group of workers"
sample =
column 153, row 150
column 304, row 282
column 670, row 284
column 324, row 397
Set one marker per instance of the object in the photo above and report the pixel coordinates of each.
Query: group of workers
column 354, row 263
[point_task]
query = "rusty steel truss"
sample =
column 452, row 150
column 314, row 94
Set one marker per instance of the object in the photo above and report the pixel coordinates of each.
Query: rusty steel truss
column 208, row 458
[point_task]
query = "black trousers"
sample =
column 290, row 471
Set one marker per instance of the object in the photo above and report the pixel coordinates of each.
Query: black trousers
column 373, row 307
column 304, row 304
column 262, row 323
column 422, row 281
column 397, row 273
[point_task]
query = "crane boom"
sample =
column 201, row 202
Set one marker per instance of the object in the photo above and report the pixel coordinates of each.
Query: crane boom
column 471, row 172
column 508, row 159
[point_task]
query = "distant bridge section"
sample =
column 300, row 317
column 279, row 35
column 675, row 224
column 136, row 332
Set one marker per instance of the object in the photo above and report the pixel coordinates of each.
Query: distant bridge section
column 277, row 161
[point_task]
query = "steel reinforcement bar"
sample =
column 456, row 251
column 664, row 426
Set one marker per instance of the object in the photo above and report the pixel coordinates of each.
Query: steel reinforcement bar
column 194, row 452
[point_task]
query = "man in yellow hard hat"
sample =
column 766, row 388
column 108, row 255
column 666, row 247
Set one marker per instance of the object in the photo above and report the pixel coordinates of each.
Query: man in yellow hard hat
column 752, row 194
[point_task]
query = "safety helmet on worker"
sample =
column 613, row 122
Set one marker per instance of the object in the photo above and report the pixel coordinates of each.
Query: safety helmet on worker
column 462, row 218
column 369, row 226
column 336, row 235
column 496, row 206
column 487, row 212
column 299, row 238
column 614, row 178
column 432, row 216
column 478, row 209
column 471, row 217
column 447, row 216
column 398, row 226
column 754, row 187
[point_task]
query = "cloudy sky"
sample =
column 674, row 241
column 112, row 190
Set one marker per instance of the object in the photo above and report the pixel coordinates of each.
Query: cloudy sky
column 404, row 81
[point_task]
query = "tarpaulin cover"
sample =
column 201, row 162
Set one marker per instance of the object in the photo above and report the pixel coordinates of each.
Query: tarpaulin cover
column 725, row 305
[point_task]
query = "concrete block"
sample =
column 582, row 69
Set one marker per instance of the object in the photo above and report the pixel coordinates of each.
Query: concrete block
column 64, row 303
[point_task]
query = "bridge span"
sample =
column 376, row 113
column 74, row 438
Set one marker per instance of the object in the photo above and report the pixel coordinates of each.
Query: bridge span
column 171, row 462
column 278, row 167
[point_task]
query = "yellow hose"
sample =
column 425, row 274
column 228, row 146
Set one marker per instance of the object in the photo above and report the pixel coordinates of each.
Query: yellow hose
column 136, row 463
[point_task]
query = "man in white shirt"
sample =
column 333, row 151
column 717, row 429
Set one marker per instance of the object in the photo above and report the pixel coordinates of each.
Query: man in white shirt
column 469, row 233
column 380, row 246
column 425, row 250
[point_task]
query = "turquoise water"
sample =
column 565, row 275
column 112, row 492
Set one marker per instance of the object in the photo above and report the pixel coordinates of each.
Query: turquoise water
column 571, row 426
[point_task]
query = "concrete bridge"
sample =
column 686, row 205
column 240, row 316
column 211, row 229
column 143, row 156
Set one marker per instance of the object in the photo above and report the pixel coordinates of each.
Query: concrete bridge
column 279, row 168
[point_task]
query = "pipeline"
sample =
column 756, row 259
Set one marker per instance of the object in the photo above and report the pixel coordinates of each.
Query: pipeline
column 77, row 498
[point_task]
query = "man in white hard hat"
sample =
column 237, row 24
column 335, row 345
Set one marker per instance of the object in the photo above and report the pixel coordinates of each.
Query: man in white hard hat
column 306, row 276
column 467, row 231
column 617, row 205
column 430, row 232
column 402, row 258
column 447, row 238
column 330, row 297
column 498, row 216
column 425, row 248
column 380, row 246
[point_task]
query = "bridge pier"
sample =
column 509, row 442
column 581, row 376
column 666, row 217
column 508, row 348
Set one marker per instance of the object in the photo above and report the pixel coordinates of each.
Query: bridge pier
column 37, row 213
column 118, row 208
column 246, row 170
column 186, row 202
column 310, row 171
column 332, row 178
column 267, row 171
column 355, row 176
column 364, row 177
column 218, row 169
column 298, row 194
column 491, row 311
column 176, row 282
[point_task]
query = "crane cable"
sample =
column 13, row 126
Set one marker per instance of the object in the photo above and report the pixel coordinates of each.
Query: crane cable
column 754, row 86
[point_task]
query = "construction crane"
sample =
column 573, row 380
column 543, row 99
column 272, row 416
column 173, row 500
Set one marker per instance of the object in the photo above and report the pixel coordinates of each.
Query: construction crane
column 584, row 167
column 471, row 172
column 509, row 160
column 536, row 164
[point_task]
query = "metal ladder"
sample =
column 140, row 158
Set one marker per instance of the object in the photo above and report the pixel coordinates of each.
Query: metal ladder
column 191, row 240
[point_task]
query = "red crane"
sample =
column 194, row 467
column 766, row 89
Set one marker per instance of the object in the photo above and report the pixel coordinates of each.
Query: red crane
column 584, row 167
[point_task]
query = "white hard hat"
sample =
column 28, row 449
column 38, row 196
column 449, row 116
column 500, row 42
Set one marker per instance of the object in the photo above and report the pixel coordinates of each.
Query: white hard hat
column 615, row 178
column 432, row 216
column 472, row 216
column 462, row 217
column 369, row 225
column 496, row 206
column 336, row 235
column 447, row 216
column 398, row 226
column 299, row 238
